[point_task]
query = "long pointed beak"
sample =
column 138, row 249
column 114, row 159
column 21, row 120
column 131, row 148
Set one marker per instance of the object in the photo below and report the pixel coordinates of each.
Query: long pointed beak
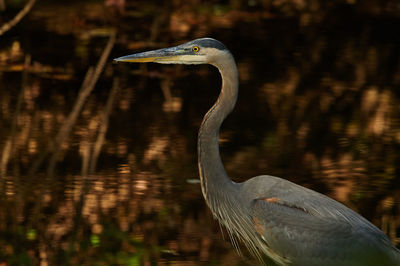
column 165, row 55
column 172, row 55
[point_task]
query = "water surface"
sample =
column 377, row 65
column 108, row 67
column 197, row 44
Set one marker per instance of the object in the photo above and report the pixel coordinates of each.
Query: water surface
column 318, row 105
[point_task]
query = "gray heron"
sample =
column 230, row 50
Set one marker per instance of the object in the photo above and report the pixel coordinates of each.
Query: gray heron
column 273, row 217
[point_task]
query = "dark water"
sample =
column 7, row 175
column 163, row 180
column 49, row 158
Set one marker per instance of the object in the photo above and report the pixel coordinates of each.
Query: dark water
column 318, row 105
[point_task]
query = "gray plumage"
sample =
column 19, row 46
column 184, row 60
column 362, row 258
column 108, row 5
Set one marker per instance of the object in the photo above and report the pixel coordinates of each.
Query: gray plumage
column 273, row 217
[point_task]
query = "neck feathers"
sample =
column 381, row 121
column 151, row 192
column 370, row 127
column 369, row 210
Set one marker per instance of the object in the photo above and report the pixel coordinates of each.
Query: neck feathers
column 214, row 179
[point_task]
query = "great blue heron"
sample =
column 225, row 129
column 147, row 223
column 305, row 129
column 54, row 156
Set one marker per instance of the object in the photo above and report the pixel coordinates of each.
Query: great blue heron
column 289, row 223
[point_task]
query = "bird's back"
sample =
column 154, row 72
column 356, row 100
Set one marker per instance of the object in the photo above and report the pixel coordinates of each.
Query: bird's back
column 302, row 227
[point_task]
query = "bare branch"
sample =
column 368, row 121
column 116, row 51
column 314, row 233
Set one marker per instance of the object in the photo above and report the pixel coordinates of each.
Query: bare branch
column 7, row 26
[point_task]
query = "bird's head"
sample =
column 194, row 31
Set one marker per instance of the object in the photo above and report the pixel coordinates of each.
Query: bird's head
column 199, row 51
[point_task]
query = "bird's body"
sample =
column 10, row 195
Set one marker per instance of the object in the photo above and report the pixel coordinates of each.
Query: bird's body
column 299, row 226
column 288, row 223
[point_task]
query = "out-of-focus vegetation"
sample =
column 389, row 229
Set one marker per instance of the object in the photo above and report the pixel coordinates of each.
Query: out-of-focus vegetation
column 97, row 160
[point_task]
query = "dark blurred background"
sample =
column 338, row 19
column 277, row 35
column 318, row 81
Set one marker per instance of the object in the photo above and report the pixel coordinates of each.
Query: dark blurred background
column 98, row 160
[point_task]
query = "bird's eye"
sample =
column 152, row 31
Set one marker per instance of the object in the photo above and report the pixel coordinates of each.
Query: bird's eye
column 195, row 49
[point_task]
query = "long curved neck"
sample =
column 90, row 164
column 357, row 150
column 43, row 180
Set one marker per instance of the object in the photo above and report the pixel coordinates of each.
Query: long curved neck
column 214, row 180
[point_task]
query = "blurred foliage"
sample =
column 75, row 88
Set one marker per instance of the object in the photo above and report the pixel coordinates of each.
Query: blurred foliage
column 318, row 105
